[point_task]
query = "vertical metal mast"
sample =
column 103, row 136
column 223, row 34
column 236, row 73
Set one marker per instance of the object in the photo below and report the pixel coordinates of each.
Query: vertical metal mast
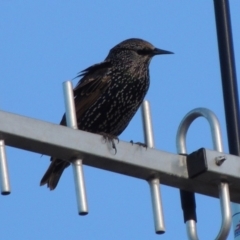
column 229, row 84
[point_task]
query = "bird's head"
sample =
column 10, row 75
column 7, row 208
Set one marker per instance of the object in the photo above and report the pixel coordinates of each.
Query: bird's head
column 135, row 49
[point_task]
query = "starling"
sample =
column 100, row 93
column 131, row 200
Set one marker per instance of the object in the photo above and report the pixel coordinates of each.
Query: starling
column 109, row 94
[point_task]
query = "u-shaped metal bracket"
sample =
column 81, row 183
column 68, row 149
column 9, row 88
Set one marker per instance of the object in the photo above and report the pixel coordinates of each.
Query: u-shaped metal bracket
column 218, row 146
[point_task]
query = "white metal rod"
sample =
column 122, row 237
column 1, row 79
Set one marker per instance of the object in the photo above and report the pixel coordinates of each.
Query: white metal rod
column 157, row 205
column 77, row 163
column 80, row 187
column 191, row 230
column 5, row 183
column 154, row 182
column 69, row 105
column 147, row 124
column 226, row 211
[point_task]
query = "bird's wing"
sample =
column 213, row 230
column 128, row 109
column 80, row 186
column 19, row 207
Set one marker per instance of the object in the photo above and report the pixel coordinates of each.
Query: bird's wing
column 95, row 80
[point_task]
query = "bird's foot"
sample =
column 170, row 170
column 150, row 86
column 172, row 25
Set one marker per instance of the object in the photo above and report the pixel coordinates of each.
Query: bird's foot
column 139, row 143
column 110, row 138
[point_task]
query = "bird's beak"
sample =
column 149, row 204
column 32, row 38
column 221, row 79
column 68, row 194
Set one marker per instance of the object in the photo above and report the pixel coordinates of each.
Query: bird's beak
column 157, row 51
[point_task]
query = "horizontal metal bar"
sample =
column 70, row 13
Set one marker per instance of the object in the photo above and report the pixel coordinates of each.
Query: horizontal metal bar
column 65, row 143
column 132, row 160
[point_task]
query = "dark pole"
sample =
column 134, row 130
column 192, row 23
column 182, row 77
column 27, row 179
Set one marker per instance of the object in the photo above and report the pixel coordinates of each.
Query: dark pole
column 230, row 94
column 229, row 86
column 228, row 73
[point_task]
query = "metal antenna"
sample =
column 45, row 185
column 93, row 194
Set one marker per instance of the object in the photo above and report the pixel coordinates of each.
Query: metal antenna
column 77, row 163
column 223, row 186
column 154, row 182
column 5, row 183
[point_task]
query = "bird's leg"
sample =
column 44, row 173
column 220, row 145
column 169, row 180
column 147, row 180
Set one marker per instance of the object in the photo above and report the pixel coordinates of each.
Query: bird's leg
column 139, row 143
column 110, row 138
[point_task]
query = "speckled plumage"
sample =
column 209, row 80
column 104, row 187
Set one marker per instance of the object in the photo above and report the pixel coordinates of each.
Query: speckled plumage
column 109, row 94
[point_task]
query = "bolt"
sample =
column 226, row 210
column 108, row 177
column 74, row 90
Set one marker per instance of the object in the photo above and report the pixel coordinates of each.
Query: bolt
column 220, row 159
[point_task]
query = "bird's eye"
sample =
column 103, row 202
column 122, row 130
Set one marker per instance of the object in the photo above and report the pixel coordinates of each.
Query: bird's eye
column 144, row 51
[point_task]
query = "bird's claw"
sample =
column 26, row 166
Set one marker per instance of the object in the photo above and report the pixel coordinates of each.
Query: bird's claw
column 110, row 138
column 139, row 143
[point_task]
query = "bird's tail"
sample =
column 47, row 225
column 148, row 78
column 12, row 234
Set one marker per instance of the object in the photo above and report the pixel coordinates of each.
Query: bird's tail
column 54, row 172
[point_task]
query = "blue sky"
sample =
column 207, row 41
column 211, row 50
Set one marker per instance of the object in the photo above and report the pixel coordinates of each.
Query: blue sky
column 44, row 43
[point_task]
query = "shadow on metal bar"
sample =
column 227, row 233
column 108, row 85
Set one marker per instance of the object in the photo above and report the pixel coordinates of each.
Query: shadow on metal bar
column 77, row 163
column 223, row 186
column 154, row 183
